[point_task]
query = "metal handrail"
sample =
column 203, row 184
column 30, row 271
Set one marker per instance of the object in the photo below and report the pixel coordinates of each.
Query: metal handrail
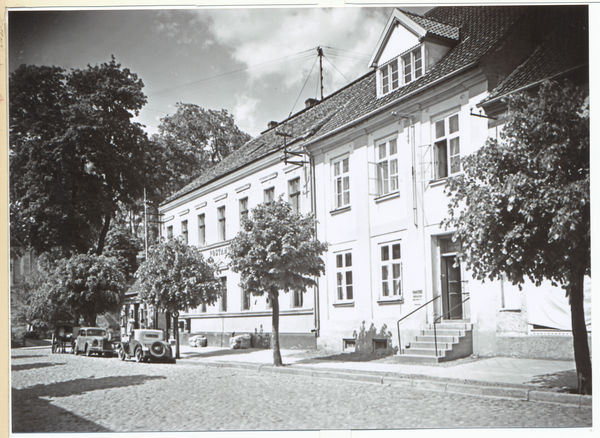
column 406, row 316
column 440, row 317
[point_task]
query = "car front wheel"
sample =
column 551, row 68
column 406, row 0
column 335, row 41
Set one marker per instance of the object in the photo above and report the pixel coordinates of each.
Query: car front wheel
column 121, row 354
column 139, row 356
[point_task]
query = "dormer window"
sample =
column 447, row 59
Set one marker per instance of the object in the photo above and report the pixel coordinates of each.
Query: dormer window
column 412, row 64
column 389, row 77
column 412, row 68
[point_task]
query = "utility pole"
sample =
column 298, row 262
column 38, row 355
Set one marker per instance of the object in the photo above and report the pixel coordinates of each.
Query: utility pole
column 145, row 225
column 320, row 54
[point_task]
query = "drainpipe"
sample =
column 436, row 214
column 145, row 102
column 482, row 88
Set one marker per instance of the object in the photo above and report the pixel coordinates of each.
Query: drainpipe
column 313, row 203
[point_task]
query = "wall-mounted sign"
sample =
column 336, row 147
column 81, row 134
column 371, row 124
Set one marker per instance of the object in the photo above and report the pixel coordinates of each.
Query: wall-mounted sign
column 417, row 295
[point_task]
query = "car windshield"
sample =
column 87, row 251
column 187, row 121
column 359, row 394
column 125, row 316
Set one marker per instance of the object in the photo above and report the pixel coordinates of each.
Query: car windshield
column 96, row 333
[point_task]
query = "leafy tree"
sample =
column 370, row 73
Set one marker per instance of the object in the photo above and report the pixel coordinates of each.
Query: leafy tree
column 277, row 251
column 177, row 277
column 522, row 207
column 83, row 285
column 195, row 139
column 75, row 154
column 125, row 246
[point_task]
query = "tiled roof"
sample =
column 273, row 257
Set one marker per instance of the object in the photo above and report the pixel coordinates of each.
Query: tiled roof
column 481, row 27
column 564, row 49
column 435, row 27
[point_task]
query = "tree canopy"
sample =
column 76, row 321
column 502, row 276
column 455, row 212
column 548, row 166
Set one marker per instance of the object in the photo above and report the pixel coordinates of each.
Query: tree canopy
column 83, row 285
column 277, row 251
column 522, row 206
column 177, row 277
column 75, row 154
column 195, row 139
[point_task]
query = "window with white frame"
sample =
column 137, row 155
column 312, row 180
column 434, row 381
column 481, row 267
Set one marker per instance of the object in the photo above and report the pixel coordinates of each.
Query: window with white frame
column 246, row 299
column 222, row 223
column 223, row 299
column 387, row 167
column 389, row 77
column 294, row 194
column 201, row 230
column 412, row 65
column 446, row 148
column 341, row 182
column 184, row 231
column 243, row 209
column 391, row 270
column 269, row 195
column 344, row 281
column 401, row 71
column 297, row 296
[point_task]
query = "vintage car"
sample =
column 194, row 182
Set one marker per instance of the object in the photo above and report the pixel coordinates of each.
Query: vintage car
column 146, row 345
column 94, row 340
column 64, row 337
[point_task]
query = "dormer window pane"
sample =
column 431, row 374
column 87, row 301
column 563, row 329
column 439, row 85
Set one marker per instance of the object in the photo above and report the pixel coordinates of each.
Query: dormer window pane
column 418, row 63
column 394, row 68
column 407, row 68
column 385, row 80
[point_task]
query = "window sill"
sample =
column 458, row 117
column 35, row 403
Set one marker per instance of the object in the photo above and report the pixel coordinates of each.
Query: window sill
column 384, row 198
column 438, row 182
column 344, row 304
column 511, row 310
column 390, row 302
column 339, row 210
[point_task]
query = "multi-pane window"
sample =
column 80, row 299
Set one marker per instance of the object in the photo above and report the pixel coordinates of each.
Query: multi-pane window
column 447, row 147
column 184, row 231
column 246, row 298
column 412, row 66
column 297, row 296
column 294, row 194
column 341, row 182
column 243, row 209
column 269, row 195
column 344, row 283
column 391, row 271
column 201, row 230
column 222, row 224
column 170, row 232
column 223, row 299
column 387, row 166
column 389, row 77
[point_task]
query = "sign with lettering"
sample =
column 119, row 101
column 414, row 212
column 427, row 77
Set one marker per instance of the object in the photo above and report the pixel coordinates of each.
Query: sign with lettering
column 417, row 295
column 219, row 252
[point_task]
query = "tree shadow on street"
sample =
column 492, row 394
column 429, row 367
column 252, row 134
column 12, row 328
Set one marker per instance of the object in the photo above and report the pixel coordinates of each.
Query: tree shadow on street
column 224, row 352
column 32, row 366
column 27, row 356
column 31, row 413
column 566, row 381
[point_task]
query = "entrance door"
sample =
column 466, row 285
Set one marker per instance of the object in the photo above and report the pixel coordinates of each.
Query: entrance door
column 452, row 286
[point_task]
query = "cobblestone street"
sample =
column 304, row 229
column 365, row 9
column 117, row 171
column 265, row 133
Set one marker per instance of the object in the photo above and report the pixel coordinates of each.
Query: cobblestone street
column 67, row 393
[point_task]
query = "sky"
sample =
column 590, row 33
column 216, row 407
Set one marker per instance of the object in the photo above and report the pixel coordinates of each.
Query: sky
column 258, row 64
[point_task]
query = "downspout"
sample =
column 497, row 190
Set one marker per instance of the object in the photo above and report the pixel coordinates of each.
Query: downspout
column 313, row 203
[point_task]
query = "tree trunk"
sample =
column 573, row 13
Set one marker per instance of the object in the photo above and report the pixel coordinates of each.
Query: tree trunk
column 583, row 363
column 103, row 234
column 274, row 297
column 176, row 335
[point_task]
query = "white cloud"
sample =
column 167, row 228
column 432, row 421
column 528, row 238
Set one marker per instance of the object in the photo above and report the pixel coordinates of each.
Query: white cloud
column 257, row 36
column 244, row 112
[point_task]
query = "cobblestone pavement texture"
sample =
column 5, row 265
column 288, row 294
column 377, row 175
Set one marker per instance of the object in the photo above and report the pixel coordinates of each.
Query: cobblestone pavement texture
column 67, row 393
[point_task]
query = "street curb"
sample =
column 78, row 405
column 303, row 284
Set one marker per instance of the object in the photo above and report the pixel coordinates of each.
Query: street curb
column 523, row 394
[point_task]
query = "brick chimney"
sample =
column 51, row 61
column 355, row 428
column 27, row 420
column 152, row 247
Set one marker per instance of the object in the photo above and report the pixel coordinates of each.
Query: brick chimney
column 272, row 124
column 310, row 102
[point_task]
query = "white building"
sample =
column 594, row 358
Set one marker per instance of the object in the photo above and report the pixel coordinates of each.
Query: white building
column 377, row 153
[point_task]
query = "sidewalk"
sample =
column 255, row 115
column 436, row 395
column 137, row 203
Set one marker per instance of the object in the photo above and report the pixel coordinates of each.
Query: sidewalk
column 525, row 379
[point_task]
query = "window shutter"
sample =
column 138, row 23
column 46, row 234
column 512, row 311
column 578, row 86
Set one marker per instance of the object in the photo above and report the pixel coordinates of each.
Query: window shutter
column 425, row 162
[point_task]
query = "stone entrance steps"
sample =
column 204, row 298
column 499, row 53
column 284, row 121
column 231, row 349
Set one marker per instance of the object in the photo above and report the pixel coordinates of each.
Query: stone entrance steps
column 454, row 340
